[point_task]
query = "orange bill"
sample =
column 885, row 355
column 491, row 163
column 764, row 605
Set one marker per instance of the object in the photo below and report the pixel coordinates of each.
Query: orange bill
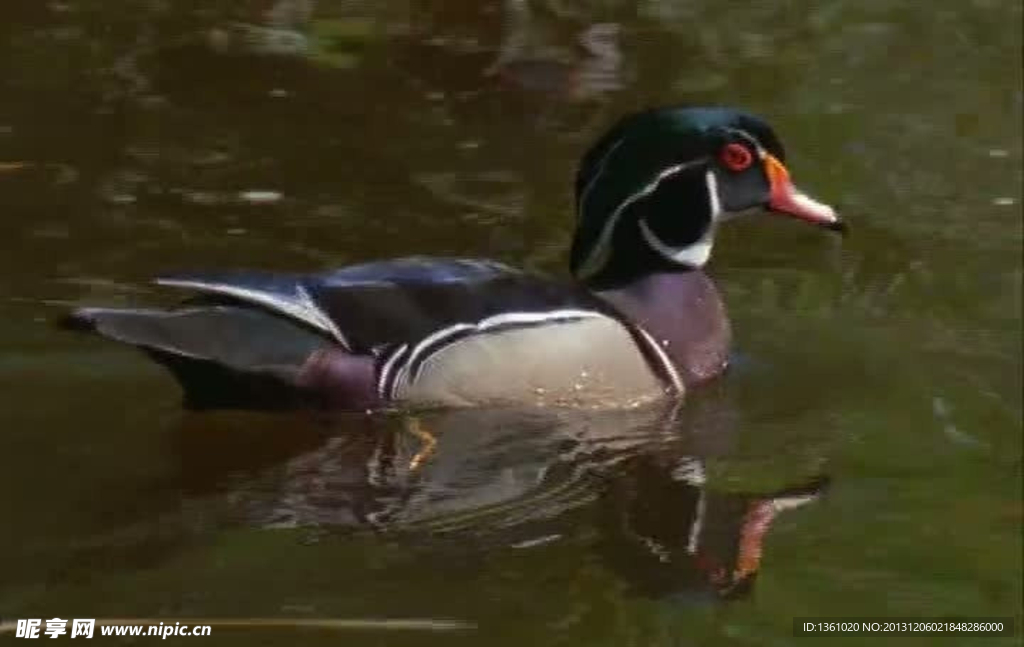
column 788, row 200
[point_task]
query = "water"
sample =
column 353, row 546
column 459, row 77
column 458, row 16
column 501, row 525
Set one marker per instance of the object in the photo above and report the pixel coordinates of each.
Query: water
column 862, row 458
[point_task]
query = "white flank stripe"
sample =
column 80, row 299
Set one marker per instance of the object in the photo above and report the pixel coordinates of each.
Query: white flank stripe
column 599, row 253
column 385, row 370
column 666, row 361
column 418, row 349
column 536, row 317
column 483, row 325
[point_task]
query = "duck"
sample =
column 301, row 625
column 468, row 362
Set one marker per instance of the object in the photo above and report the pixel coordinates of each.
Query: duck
column 638, row 320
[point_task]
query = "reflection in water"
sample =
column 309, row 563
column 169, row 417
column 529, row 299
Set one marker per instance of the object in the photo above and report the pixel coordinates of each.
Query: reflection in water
column 505, row 478
column 711, row 542
column 528, row 62
column 524, row 53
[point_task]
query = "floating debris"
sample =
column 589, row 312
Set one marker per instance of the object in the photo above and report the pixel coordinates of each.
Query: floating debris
column 7, row 167
column 1004, row 202
column 943, row 414
column 204, row 198
column 537, row 541
column 260, row 197
column 122, row 199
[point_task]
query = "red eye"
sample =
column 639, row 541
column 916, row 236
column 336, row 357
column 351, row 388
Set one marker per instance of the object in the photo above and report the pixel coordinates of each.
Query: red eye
column 736, row 157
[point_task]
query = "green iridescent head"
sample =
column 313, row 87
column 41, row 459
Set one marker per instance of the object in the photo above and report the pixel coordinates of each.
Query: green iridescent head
column 651, row 192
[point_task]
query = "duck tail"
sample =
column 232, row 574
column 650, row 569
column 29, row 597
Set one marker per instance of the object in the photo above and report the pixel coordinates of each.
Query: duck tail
column 223, row 356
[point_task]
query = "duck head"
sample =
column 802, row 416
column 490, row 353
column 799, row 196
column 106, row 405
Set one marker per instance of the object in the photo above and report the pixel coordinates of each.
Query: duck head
column 652, row 190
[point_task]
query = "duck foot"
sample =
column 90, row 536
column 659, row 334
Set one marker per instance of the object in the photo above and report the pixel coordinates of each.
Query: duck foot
column 428, row 440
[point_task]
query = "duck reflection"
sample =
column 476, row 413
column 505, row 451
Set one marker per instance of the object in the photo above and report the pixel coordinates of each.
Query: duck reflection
column 520, row 479
column 669, row 533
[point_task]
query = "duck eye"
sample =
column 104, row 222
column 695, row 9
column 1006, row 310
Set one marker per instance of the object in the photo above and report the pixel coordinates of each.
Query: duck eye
column 736, row 157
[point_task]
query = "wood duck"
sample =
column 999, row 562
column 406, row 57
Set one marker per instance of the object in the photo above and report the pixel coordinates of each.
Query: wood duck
column 639, row 321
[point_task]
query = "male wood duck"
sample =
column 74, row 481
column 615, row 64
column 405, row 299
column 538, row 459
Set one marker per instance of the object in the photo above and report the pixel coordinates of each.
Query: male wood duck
column 639, row 321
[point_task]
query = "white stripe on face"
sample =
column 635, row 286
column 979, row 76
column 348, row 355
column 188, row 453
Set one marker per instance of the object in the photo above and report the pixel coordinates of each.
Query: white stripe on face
column 601, row 251
column 695, row 254
column 714, row 200
column 593, row 180
column 754, row 142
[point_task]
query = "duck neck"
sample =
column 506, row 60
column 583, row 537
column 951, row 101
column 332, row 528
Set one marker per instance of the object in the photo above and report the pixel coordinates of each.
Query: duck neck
column 684, row 313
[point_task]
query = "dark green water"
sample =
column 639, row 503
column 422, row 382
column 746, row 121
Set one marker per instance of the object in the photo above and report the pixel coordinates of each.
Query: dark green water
column 140, row 137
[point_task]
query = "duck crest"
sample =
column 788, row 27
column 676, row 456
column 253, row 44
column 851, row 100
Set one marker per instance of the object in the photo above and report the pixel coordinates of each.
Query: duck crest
column 629, row 177
column 651, row 191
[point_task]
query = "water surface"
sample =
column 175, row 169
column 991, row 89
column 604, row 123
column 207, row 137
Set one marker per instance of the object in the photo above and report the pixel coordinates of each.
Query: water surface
column 863, row 457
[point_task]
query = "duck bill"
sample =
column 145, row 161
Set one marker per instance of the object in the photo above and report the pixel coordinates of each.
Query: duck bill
column 788, row 200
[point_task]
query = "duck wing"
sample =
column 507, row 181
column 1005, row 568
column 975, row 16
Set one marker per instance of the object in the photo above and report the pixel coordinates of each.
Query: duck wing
column 371, row 306
column 252, row 338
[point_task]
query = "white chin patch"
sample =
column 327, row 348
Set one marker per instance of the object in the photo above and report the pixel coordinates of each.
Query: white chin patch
column 693, row 255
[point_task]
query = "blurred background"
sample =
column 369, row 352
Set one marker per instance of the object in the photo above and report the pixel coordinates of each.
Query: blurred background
column 862, row 457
